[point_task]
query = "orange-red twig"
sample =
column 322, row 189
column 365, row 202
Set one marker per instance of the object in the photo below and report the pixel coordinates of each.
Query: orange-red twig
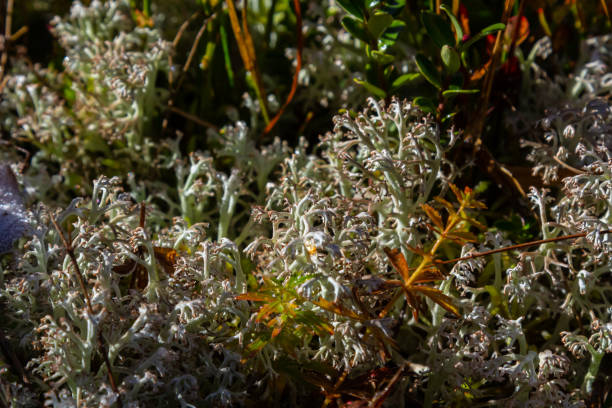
column 517, row 246
column 300, row 47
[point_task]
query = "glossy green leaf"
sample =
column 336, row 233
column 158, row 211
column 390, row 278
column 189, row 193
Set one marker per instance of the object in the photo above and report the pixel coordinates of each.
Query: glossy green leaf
column 353, row 7
column 428, row 70
column 455, row 22
column 448, row 117
column 404, row 79
column 453, row 92
column 382, row 58
column 373, row 89
column 438, row 29
column 426, row 104
column 378, row 23
column 450, row 59
column 483, row 33
column 393, row 7
column 392, row 33
column 356, row 28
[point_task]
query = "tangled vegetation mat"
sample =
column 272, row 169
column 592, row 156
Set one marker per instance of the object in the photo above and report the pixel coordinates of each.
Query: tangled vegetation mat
column 285, row 203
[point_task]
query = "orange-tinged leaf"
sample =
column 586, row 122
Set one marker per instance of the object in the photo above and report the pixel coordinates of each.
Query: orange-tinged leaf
column 255, row 297
column 429, row 274
column 390, row 304
column 413, row 302
column 604, row 6
column 335, row 308
column 520, row 35
column 481, row 72
column 399, row 262
column 417, row 251
column 461, row 237
column 266, row 310
column 476, row 223
column 166, row 257
column 465, row 20
column 457, row 192
column 437, row 296
column 142, row 20
column 449, row 207
column 434, row 215
column 276, row 331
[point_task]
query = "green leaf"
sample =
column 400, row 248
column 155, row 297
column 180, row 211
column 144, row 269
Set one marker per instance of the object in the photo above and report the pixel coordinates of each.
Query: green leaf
column 428, row 70
column 454, row 21
column 226, row 54
column 373, row 89
column 438, row 29
column 453, row 92
column 483, row 33
column 382, row 58
column 393, row 7
column 392, row 33
column 450, row 59
column 448, row 117
column 426, row 104
column 403, row 79
column 492, row 28
column 378, row 23
column 356, row 28
column 110, row 163
column 353, row 7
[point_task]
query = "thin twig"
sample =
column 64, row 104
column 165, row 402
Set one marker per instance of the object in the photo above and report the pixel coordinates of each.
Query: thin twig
column 298, row 67
column 8, row 22
column 498, row 250
column 193, row 118
column 567, row 166
column 194, row 47
column 517, row 246
column 81, row 280
column 179, row 34
column 193, row 50
column 177, row 38
column 380, row 397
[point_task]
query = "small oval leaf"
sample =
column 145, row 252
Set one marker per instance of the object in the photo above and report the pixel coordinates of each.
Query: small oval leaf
column 483, row 33
column 428, row 70
column 438, row 29
column 382, row 58
column 404, row 79
column 356, row 28
column 352, row 7
column 393, row 7
column 454, row 21
column 373, row 89
column 450, row 59
column 378, row 23
column 392, row 33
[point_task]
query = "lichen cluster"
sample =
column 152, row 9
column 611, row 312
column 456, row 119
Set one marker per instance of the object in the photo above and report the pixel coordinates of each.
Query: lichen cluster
column 150, row 267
